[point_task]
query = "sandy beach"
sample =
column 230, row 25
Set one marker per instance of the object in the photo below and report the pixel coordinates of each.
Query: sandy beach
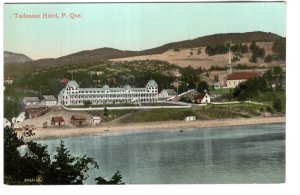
column 149, row 126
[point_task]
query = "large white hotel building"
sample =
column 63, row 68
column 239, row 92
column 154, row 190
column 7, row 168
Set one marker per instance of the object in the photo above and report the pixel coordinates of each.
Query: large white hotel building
column 73, row 95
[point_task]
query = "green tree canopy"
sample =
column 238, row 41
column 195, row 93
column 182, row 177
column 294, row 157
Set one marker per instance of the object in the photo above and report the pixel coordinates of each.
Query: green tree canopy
column 116, row 179
column 279, row 47
column 202, row 86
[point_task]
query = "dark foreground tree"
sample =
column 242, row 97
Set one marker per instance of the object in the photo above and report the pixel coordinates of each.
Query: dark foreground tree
column 36, row 166
column 277, row 104
column 66, row 169
column 116, row 179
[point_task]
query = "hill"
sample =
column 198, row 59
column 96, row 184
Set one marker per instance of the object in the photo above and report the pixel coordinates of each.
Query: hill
column 91, row 56
column 10, row 57
column 215, row 39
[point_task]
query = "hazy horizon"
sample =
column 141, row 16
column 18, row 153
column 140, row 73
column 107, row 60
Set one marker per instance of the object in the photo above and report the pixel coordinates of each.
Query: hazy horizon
column 131, row 26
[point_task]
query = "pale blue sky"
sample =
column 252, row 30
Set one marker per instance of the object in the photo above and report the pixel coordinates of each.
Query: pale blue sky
column 129, row 26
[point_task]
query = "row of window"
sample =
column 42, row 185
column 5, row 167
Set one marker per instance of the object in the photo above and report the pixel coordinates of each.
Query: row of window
column 98, row 92
column 113, row 101
column 111, row 96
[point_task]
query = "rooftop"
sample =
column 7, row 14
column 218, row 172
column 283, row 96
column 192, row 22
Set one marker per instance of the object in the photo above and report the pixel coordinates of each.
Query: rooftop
column 31, row 99
column 170, row 91
column 49, row 97
column 73, row 83
column 243, row 75
column 200, row 97
column 78, row 117
column 151, row 83
column 57, row 119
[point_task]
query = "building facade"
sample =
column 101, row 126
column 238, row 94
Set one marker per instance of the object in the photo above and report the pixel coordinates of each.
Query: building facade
column 167, row 93
column 49, row 100
column 72, row 94
column 29, row 101
column 203, row 98
column 236, row 78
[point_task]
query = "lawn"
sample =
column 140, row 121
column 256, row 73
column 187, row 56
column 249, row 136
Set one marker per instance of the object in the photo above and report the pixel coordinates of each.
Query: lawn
column 209, row 112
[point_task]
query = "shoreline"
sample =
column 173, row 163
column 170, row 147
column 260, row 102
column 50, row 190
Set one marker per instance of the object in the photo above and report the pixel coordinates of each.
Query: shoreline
column 106, row 129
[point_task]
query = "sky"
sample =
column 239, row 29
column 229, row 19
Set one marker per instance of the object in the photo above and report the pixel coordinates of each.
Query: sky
column 130, row 26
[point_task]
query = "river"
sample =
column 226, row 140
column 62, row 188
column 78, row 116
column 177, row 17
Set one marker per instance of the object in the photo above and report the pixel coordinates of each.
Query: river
column 235, row 154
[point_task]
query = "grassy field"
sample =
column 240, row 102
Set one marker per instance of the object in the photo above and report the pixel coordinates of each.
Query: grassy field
column 209, row 112
column 221, row 91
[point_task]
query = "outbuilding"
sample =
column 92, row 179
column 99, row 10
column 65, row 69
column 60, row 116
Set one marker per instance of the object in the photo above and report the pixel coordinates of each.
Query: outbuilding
column 203, row 98
column 95, row 120
column 28, row 101
column 78, row 119
column 190, row 118
column 167, row 93
column 57, row 120
column 49, row 100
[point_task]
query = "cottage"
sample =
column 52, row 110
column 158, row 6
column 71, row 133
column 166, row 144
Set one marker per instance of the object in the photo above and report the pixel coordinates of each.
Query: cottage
column 6, row 123
column 49, row 100
column 95, row 120
column 203, row 98
column 20, row 118
column 167, row 93
column 28, row 101
column 78, row 120
column 235, row 78
column 57, row 120
column 190, row 118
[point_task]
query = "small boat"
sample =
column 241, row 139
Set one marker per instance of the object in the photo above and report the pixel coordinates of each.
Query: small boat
column 106, row 130
column 181, row 131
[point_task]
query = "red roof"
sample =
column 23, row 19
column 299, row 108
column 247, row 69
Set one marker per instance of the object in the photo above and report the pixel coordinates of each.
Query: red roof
column 78, row 117
column 242, row 75
column 199, row 97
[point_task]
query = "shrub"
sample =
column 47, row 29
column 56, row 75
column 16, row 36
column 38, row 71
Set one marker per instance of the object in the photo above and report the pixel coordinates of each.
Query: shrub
column 277, row 105
column 268, row 58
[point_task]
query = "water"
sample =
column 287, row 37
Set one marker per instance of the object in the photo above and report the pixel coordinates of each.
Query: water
column 238, row 154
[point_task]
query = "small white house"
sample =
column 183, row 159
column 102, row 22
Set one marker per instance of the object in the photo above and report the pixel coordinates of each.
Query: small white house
column 20, row 118
column 28, row 101
column 167, row 93
column 95, row 120
column 6, row 123
column 190, row 118
column 202, row 99
column 49, row 100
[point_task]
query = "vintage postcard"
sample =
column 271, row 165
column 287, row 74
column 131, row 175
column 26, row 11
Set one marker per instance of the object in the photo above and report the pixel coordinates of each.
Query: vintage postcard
column 144, row 93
